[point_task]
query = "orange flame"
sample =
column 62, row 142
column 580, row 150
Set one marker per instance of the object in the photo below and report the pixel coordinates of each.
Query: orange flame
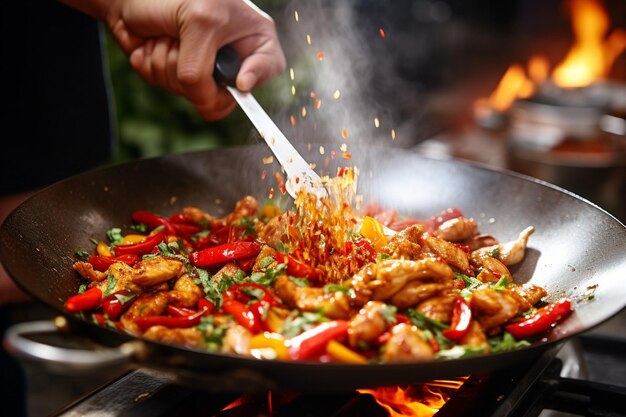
column 421, row 400
column 592, row 54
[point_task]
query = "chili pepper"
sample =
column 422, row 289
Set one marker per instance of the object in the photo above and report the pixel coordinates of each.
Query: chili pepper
column 170, row 322
column 540, row 321
column 224, row 253
column 181, row 218
column 153, row 221
column 461, row 319
column 246, row 264
column 313, row 341
column 102, row 263
column 89, row 300
column 267, row 297
column 180, row 311
column 243, row 315
column 296, row 268
column 185, row 230
column 113, row 307
column 206, row 306
column 141, row 248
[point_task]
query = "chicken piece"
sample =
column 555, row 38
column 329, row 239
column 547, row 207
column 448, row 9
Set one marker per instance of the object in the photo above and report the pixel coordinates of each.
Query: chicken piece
column 531, row 293
column 417, row 291
column 493, row 308
column 266, row 252
column 121, row 279
column 229, row 269
column 509, row 253
column 367, row 324
column 438, row 308
column 185, row 292
column 476, row 337
column 237, row 340
column 387, row 277
column 199, row 216
column 190, row 337
column 274, row 230
column 145, row 305
column 493, row 270
column 457, row 230
column 406, row 344
column 85, row 269
column 155, row 270
column 453, row 255
column 481, row 241
column 246, row 207
column 405, row 244
column 335, row 305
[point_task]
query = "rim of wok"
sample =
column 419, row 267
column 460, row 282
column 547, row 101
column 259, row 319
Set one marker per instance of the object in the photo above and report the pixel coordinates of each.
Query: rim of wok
column 576, row 244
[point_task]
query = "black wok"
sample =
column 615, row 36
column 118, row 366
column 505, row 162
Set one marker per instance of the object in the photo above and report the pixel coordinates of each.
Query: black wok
column 576, row 247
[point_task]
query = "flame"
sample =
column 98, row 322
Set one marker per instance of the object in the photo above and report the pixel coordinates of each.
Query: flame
column 592, row 54
column 509, row 88
column 421, row 400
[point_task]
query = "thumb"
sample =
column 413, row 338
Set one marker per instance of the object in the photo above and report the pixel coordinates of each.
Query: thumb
column 259, row 67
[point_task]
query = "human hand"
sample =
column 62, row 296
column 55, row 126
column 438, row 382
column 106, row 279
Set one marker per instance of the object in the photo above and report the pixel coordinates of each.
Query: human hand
column 173, row 44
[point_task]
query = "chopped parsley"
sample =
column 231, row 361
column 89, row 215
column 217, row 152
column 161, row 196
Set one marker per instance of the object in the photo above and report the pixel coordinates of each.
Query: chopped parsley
column 333, row 288
column 296, row 323
column 265, row 262
column 140, row 228
column 502, row 283
column 389, row 313
column 115, row 236
column 495, row 253
column 82, row 255
column 506, row 342
column 213, row 335
column 82, row 288
column 300, row 282
column 268, row 277
column 111, row 283
column 424, row 322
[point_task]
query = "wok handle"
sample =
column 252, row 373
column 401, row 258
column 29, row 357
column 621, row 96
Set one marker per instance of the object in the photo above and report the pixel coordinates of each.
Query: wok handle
column 17, row 342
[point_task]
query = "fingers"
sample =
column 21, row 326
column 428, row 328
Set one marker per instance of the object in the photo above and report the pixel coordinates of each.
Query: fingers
column 262, row 65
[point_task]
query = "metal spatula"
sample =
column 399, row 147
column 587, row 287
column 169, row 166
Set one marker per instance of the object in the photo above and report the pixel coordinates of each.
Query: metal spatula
column 299, row 173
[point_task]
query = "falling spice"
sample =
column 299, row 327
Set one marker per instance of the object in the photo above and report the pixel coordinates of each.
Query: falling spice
column 263, row 174
column 346, row 155
column 376, row 122
column 268, row 160
column 309, row 146
column 296, row 15
column 293, row 90
column 343, row 147
column 292, row 74
column 322, row 150
column 337, row 94
column 303, row 112
column 292, row 119
column 344, row 133
column 320, row 55
column 393, row 134
column 270, row 195
column 318, row 103
column 308, row 39
column 333, row 154
column 313, row 94
column 381, row 32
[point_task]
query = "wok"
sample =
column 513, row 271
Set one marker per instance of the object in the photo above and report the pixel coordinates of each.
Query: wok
column 577, row 250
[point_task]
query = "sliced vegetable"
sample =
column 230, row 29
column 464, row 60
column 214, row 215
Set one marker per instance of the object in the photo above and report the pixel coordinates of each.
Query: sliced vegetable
column 153, row 221
column 297, row 268
column 268, row 340
column 146, row 322
column 313, row 342
column 461, row 318
column 103, row 249
column 243, row 315
column 102, row 263
column 141, row 248
column 224, row 253
column 114, row 304
column 89, row 300
column 540, row 321
column 344, row 354
column 373, row 230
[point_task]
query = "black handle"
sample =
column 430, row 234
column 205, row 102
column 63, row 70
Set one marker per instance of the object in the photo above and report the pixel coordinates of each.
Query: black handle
column 227, row 66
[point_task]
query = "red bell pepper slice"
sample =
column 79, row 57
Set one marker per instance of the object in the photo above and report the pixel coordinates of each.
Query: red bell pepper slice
column 224, row 253
column 89, row 300
column 313, row 341
column 540, row 321
column 206, row 306
column 141, row 248
column 243, row 315
column 296, row 268
column 185, row 230
column 461, row 319
column 102, row 263
column 180, row 311
column 153, row 221
column 170, row 322
column 113, row 307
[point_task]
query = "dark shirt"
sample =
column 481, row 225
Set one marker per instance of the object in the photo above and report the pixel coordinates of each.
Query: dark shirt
column 56, row 117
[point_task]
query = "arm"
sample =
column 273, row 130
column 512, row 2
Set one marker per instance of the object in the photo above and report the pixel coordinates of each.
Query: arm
column 173, row 43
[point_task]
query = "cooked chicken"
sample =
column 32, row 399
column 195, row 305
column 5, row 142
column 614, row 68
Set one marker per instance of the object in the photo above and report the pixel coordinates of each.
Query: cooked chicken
column 121, row 279
column 190, row 336
column 438, row 308
column 274, row 230
column 405, row 244
column 492, row 308
column 198, row 216
column 85, row 269
column 155, row 270
column 493, row 270
column 509, row 253
column 406, row 344
column 246, row 207
column 266, row 252
column 237, row 340
column 475, row 337
column 367, row 324
column 145, row 305
column 457, row 230
column 185, row 292
column 335, row 305
column 453, row 255
column 416, row 291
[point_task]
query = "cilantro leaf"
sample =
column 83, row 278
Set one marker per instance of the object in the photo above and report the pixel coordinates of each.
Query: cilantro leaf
column 111, row 283
column 300, row 282
column 389, row 313
column 506, row 342
column 82, row 255
column 460, row 351
column 115, row 236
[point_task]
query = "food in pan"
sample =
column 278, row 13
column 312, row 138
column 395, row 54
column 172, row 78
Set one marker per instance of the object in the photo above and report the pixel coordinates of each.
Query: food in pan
column 320, row 282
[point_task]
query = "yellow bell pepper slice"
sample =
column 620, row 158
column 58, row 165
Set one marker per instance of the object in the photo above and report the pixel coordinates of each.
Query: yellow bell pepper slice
column 270, row 211
column 343, row 354
column 128, row 239
column 103, row 249
column 274, row 341
column 373, row 230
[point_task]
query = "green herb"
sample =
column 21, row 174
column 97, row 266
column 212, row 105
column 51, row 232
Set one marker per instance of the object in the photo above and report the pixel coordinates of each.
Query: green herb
column 530, row 312
column 140, row 228
column 268, row 277
column 389, row 313
column 111, row 283
column 495, row 253
column 82, row 255
column 384, row 256
column 82, row 288
column 424, row 322
column 124, row 298
column 107, row 321
column 248, row 224
column 333, row 288
column 502, row 283
column 282, row 247
column 94, row 241
column 115, row 236
column 213, row 336
column 296, row 323
column 506, row 342
column 300, row 282
column 460, row 351
column 265, row 262
column 254, row 292
column 199, row 235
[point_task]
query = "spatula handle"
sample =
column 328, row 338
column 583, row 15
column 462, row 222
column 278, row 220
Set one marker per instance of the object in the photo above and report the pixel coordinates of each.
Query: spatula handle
column 227, row 64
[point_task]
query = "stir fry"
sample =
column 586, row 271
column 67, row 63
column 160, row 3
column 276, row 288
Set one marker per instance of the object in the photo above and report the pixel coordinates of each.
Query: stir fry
column 320, row 282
